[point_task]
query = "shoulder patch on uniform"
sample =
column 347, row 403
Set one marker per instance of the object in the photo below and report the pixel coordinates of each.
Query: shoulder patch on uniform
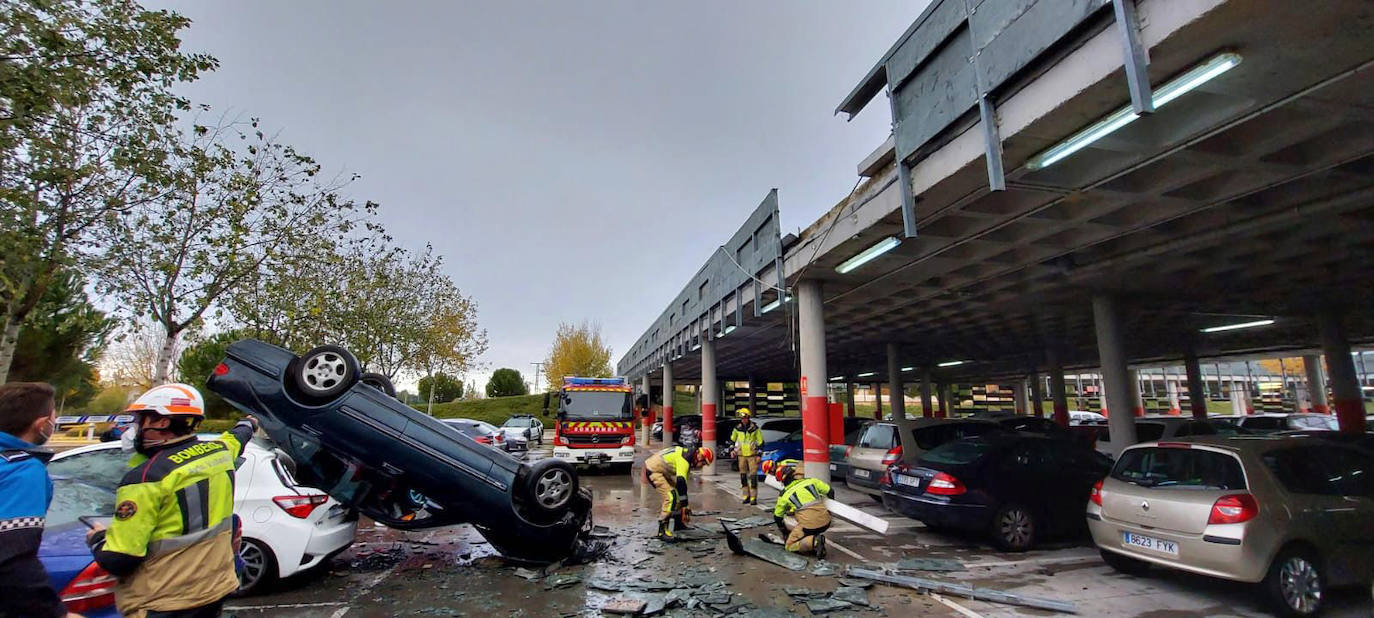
column 15, row 455
column 126, row 509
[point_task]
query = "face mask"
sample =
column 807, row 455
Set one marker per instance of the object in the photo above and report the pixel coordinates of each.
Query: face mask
column 43, row 437
column 128, row 441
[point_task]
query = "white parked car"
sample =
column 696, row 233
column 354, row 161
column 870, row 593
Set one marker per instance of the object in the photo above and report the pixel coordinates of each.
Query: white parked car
column 287, row 528
column 1155, row 427
column 1079, row 417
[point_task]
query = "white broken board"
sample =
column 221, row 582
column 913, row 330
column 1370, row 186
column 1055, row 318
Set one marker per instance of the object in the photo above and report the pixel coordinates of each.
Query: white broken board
column 843, row 511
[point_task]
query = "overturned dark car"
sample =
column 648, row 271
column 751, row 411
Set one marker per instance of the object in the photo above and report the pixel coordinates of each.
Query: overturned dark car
column 400, row 467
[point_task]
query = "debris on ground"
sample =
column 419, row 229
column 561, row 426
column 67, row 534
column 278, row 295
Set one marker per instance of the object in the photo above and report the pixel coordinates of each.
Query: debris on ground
column 823, row 569
column 625, row 606
column 554, row 582
column 856, row 583
column 928, row 564
column 821, row 606
column 529, row 574
column 746, row 523
column 964, row 590
column 851, row 594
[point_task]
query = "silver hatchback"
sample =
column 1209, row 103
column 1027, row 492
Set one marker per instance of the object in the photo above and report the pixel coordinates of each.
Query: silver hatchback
column 1296, row 513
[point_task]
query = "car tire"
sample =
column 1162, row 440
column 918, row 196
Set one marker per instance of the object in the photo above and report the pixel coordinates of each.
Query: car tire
column 551, row 487
column 323, row 373
column 1296, row 583
column 1124, row 564
column 260, row 567
column 379, row 382
column 1013, row 528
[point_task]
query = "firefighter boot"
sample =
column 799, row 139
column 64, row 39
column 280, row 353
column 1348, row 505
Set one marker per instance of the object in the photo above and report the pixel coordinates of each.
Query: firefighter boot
column 744, row 487
column 820, row 546
column 665, row 531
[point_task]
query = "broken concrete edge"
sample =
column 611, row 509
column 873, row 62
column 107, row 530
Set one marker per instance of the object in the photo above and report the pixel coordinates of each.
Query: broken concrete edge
column 963, row 590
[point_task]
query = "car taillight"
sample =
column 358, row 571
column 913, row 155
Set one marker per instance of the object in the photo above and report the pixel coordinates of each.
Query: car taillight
column 887, row 478
column 847, row 451
column 300, row 506
column 1233, row 509
column 221, row 369
column 483, row 439
column 1096, row 496
column 90, row 590
column 893, row 456
column 499, row 437
column 944, row 485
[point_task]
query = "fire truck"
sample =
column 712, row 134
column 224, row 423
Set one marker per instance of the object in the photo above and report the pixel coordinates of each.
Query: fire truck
column 595, row 422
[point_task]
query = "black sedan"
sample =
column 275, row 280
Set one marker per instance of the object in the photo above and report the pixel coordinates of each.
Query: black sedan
column 1015, row 487
column 400, row 467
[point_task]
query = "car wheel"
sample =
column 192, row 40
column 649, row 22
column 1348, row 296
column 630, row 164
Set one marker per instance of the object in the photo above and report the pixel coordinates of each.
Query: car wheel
column 551, row 486
column 1013, row 528
column 259, row 566
column 1124, row 564
column 324, row 373
column 379, row 382
column 1296, row 583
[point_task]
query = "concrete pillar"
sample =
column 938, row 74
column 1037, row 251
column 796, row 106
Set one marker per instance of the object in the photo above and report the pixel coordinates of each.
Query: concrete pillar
column 710, row 390
column 1316, row 383
column 849, row 396
column 1116, row 377
column 1059, row 391
column 894, row 382
column 927, row 410
column 815, row 417
column 1172, row 387
column 667, row 403
column 753, row 407
column 1237, row 400
column 946, row 403
column 1018, row 396
column 1037, row 395
column 1197, row 393
column 1345, row 384
column 648, row 426
column 1137, row 405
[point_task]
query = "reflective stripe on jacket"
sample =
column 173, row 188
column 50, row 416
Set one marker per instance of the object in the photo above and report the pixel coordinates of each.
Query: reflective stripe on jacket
column 800, row 494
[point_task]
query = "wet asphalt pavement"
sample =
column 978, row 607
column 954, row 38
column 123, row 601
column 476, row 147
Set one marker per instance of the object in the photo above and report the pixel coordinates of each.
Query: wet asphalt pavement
column 453, row 572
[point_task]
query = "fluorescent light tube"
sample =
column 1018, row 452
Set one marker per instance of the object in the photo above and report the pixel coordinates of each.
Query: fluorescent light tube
column 867, row 255
column 1173, row 89
column 950, row 363
column 775, row 304
column 908, row 369
column 1255, row 324
column 867, row 375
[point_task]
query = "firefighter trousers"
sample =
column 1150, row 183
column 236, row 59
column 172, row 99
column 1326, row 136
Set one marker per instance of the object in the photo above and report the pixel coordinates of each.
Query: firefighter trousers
column 748, row 475
column 812, row 520
column 667, row 491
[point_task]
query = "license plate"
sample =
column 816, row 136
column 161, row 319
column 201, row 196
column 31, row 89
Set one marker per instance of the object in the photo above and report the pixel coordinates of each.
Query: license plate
column 909, row 481
column 861, row 473
column 1150, row 543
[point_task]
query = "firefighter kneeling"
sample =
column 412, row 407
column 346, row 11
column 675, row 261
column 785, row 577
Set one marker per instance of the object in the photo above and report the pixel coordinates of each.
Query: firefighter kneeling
column 667, row 470
column 803, row 499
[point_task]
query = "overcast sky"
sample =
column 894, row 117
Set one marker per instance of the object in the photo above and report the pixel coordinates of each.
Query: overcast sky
column 570, row 160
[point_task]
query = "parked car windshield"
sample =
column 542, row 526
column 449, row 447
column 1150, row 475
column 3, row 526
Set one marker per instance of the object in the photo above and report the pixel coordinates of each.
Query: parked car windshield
column 519, row 422
column 593, row 404
column 72, row 499
column 1184, row 468
column 957, row 453
column 777, row 431
column 930, row 437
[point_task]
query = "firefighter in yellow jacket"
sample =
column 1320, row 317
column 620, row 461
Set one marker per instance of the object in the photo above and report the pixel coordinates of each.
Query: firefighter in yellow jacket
column 170, row 542
column 804, row 499
column 667, row 471
column 748, row 439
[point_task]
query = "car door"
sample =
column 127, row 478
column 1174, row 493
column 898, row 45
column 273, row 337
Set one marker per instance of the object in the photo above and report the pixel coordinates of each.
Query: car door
column 1077, row 469
column 1351, row 472
column 1318, row 479
column 1021, row 475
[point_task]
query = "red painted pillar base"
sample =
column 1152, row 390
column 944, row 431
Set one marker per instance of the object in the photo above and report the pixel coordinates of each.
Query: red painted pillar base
column 1350, row 415
column 1175, row 412
column 708, row 424
column 1061, row 415
column 667, row 420
column 836, row 425
column 815, row 429
column 1140, row 411
column 1321, row 409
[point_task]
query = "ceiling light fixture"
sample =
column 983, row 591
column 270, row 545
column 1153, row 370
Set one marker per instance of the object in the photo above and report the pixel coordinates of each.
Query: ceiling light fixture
column 1172, row 89
column 775, row 304
column 868, row 375
column 908, row 369
column 867, row 255
column 1255, row 324
column 951, row 363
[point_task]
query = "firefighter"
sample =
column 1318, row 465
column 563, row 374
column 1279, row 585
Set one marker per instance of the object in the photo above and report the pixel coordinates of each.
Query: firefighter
column 667, row 470
column 748, row 439
column 803, row 499
column 171, row 540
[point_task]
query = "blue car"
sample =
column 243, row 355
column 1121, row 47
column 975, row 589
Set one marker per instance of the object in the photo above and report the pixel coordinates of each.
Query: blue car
column 782, row 438
column 85, row 588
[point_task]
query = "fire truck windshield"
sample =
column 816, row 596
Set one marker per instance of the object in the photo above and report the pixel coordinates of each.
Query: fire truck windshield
column 597, row 405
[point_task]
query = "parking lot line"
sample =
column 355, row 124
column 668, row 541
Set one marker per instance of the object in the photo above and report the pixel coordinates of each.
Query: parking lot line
column 955, row 606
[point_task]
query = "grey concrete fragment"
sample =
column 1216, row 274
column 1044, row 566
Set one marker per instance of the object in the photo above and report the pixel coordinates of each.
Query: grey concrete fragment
column 820, row 606
column 849, row 594
column 929, row 564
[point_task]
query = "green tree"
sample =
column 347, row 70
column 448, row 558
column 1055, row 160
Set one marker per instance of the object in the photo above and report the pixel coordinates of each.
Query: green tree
column 86, row 96
column 111, row 400
column 440, row 388
column 199, row 359
column 577, row 351
column 62, row 340
column 506, row 383
column 229, row 199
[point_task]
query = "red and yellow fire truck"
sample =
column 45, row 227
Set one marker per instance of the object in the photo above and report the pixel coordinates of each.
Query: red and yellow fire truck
column 595, row 422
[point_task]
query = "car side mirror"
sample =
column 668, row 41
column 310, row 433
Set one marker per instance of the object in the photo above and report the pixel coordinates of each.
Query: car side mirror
column 546, row 404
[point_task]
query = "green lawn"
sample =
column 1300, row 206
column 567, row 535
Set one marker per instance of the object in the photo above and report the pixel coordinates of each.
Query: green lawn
column 494, row 410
